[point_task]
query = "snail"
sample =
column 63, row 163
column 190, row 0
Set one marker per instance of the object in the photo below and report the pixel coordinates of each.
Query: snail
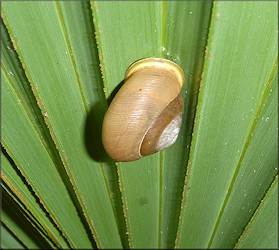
column 146, row 113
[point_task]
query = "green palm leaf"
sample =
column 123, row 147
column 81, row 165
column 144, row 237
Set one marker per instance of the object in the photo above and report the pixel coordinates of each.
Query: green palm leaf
column 62, row 63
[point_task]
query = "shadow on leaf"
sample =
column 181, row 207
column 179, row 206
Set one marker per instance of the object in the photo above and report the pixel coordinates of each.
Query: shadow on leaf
column 93, row 129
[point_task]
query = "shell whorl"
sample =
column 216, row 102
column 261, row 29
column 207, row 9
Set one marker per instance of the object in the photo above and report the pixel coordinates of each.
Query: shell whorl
column 148, row 99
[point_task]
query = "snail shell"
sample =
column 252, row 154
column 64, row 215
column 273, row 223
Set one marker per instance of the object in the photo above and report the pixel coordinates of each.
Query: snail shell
column 145, row 115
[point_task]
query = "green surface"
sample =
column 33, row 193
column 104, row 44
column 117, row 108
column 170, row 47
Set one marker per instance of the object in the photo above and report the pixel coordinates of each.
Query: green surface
column 30, row 219
column 84, row 174
column 29, row 154
column 20, row 226
column 8, row 240
column 153, row 200
column 10, row 174
column 138, row 38
column 62, row 63
column 185, row 46
column 256, row 171
column 235, row 84
column 18, row 186
column 262, row 230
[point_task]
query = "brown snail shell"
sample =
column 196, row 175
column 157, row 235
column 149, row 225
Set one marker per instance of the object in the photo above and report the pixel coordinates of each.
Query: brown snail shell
column 145, row 115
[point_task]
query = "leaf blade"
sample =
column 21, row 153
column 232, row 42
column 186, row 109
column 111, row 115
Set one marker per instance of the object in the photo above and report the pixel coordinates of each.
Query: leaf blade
column 55, row 113
column 88, row 69
column 8, row 240
column 20, row 225
column 16, row 184
column 262, row 230
column 186, row 48
column 138, row 38
column 224, row 98
column 251, row 183
column 29, row 163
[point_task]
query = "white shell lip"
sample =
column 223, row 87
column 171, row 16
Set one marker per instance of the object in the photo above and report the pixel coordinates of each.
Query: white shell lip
column 159, row 63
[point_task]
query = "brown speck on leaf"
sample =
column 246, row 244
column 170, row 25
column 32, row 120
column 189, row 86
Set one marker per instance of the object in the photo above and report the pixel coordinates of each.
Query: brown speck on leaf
column 45, row 114
column 105, row 90
column 14, row 44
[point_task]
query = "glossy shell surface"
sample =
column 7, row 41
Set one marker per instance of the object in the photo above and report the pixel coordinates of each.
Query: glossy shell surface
column 145, row 115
